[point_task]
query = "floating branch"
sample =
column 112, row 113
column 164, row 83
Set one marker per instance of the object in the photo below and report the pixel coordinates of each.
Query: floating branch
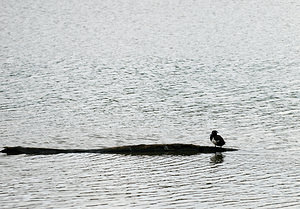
column 142, row 149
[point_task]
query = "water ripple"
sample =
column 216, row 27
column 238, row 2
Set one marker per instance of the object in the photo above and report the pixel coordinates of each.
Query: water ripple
column 93, row 74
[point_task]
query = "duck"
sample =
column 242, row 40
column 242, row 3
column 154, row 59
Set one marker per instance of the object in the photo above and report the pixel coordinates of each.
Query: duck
column 216, row 139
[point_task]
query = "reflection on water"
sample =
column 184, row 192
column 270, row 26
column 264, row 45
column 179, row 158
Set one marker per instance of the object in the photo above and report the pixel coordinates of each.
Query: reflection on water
column 217, row 158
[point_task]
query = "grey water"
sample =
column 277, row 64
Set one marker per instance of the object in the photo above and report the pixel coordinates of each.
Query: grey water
column 94, row 74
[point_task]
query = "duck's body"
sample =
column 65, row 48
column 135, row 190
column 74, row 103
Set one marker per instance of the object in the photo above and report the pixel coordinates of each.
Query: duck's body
column 216, row 139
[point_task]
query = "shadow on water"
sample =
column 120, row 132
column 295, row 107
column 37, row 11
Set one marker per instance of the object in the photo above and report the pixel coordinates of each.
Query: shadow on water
column 217, row 158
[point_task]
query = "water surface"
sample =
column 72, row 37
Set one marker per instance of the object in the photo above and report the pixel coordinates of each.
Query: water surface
column 96, row 74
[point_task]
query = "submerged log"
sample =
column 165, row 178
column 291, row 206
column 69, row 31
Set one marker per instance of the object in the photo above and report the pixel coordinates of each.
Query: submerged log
column 152, row 149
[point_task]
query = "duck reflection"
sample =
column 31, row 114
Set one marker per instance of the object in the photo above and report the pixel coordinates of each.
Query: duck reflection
column 217, row 158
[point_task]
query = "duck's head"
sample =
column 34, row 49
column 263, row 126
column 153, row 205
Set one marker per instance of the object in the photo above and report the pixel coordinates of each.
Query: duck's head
column 214, row 132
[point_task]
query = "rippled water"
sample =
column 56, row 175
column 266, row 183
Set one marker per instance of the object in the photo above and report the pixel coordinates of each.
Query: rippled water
column 89, row 74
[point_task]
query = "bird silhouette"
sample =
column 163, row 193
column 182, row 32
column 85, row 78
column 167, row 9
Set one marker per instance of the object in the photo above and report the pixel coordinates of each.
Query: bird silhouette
column 216, row 139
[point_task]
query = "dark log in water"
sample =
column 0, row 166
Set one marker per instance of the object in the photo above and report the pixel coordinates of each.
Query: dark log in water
column 152, row 149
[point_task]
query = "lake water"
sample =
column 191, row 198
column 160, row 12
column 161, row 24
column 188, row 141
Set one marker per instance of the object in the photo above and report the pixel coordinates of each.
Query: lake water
column 94, row 74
